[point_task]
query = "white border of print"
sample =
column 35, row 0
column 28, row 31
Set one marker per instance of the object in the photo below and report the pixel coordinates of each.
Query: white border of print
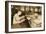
column 25, row 29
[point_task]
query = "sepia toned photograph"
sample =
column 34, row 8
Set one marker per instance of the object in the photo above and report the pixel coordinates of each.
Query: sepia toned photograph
column 25, row 16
